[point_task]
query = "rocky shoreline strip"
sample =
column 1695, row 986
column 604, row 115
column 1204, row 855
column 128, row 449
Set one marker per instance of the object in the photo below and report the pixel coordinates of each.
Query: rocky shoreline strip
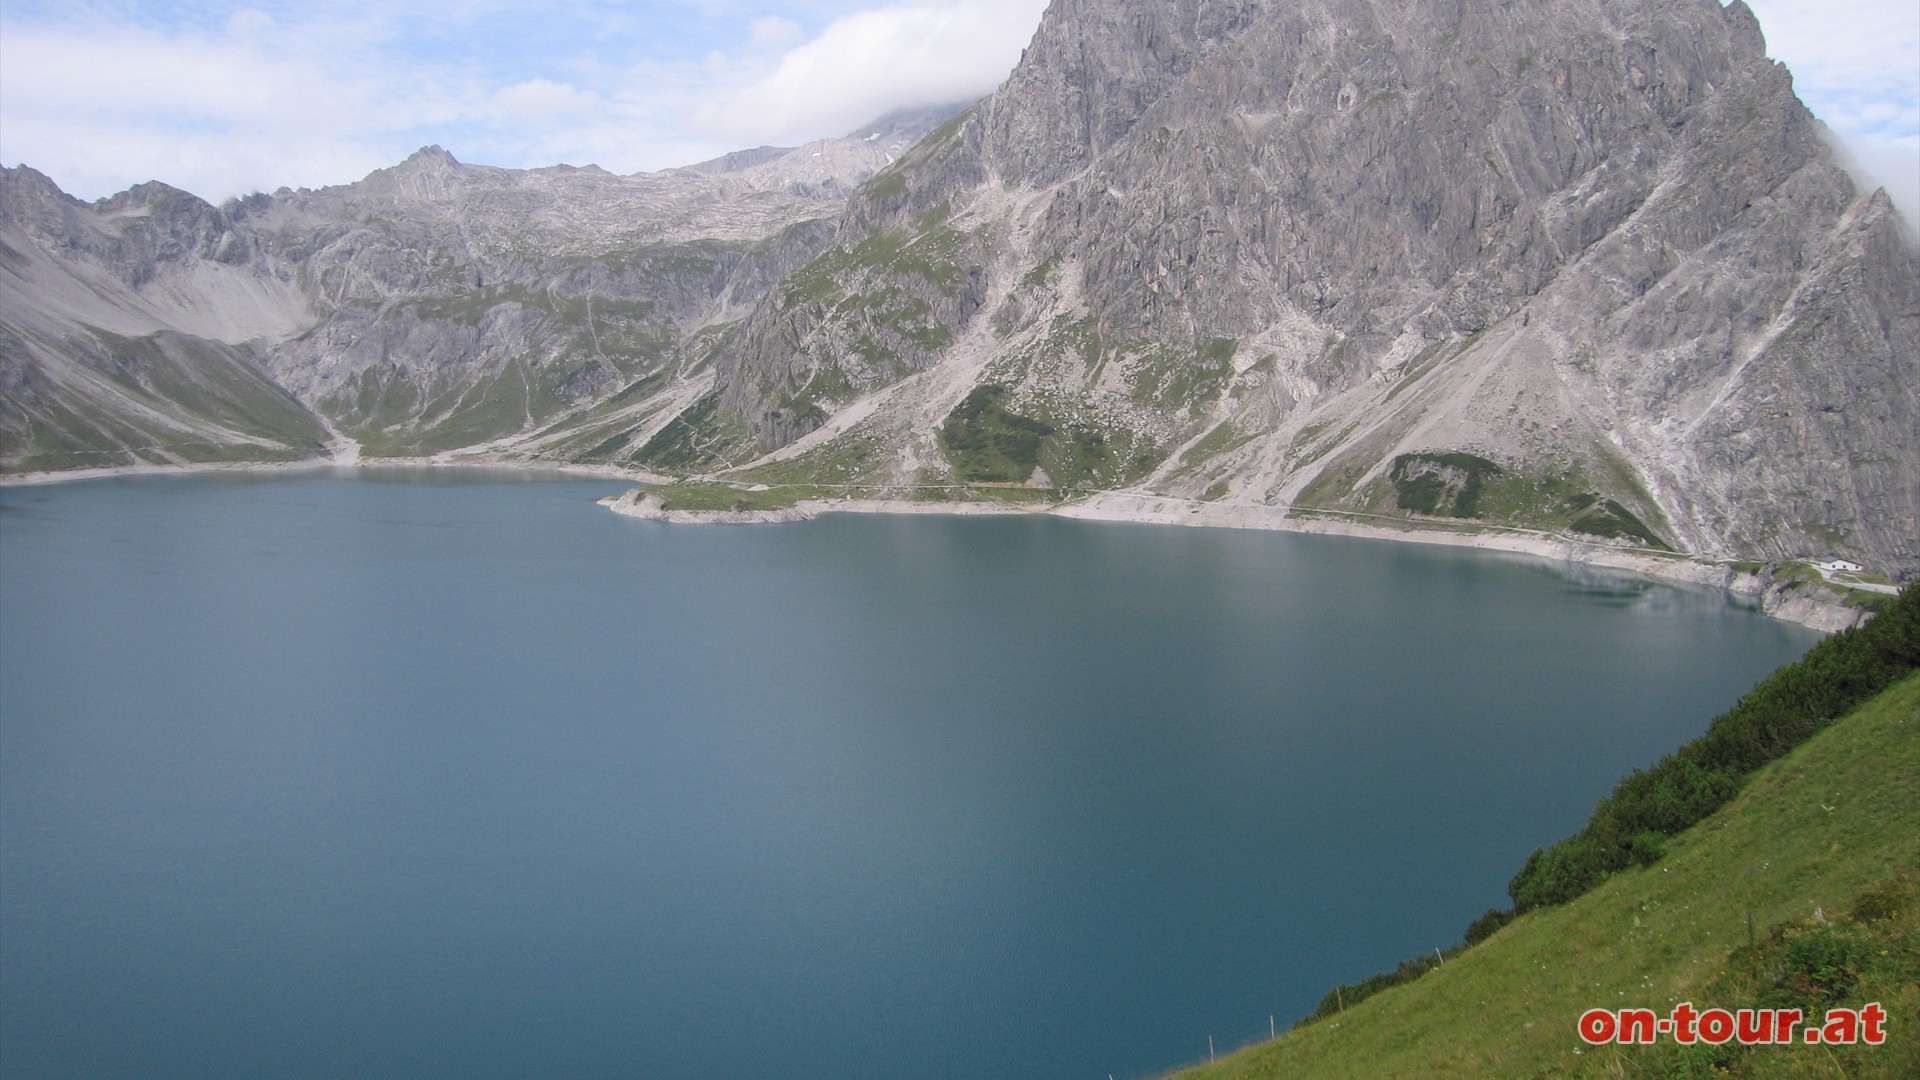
column 645, row 504
column 1818, row 608
column 339, row 463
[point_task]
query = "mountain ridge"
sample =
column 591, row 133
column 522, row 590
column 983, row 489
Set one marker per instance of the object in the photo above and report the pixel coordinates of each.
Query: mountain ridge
column 1573, row 266
column 430, row 306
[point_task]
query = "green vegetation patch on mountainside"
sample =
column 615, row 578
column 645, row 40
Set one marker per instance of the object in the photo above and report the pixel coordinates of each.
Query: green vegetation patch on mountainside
column 703, row 436
column 1448, row 484
column 1456, row 484
column 1804, row 892
column 989, row 443
column 1611, row 520
column 1182, row 381
column 1594, row 495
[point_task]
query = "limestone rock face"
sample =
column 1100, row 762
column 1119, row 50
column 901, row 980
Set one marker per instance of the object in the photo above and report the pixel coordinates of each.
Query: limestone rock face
column 1263, row 250
column 431, row 307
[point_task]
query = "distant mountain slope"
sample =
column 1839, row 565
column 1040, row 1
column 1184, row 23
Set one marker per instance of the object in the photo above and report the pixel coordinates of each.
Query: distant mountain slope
column 1570, row 264
column 125, row 333
column 1821, row 852
column 1581, row 266
column 430, row 307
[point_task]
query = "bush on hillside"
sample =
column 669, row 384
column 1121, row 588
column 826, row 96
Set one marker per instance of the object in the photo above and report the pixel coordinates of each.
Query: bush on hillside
column 1684, row 787
column 1630, row 825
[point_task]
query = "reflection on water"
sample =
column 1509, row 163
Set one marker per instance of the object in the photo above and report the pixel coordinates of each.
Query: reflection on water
column 1618, row 588
column 1629, row 590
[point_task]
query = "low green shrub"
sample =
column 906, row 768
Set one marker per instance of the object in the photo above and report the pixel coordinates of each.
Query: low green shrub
column 1699, row 778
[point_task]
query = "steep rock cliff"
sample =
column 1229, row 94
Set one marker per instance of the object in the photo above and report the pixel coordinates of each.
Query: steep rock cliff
column 1284, row 252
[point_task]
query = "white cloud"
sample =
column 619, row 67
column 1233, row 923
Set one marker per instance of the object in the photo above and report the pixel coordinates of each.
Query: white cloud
column 1857, row 66
column 773, row 32
column 1842, row 41
column 869, row 62
column 1893, row 164
column 538, row 99
column 247, row 21
column 220, row 100
column 213, row 111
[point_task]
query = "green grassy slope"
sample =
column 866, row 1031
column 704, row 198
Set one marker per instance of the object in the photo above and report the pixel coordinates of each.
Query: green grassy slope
column 1821, row 849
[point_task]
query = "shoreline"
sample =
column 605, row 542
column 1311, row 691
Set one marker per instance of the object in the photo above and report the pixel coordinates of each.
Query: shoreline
column 1774, row 597
column 343, row 463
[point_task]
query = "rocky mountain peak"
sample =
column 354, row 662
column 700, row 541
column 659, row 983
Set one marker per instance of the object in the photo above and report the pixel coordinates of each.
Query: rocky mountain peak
column 1093, row 70
column 31, row 198
column 1745, row 27
column 429, row 159
column 430, row 174
column 1563, row 238
column 26, row 179
column 146, row 197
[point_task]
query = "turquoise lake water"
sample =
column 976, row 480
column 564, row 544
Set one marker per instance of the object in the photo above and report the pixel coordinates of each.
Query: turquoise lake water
column 461, row 775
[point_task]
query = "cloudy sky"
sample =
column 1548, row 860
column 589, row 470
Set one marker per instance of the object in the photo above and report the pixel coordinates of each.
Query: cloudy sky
column 222, row 98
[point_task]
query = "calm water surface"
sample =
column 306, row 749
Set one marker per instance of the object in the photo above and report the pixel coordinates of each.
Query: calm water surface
column 396, row 776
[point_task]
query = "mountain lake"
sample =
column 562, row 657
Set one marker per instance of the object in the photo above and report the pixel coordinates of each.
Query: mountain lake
column 443, row 773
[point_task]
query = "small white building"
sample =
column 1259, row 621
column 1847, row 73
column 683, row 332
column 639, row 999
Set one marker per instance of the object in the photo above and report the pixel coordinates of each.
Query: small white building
column 1839, row 566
